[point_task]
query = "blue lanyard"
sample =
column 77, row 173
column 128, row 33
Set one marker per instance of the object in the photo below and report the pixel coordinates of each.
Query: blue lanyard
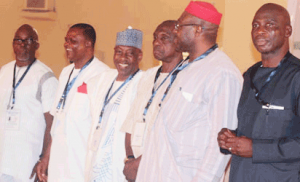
column 174, row 75
column 14, row 85
column 68, row 86
column 154, row 91
column 272, row 74
column 180, row 68
column 106, row 100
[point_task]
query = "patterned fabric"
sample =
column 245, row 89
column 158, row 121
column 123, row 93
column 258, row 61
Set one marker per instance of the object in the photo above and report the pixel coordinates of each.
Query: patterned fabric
column 130, row 37
column 102, row 170
column 97, row 90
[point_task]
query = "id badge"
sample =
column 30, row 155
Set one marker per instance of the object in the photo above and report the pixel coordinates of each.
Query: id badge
column 58, row 125
column 139, row 134
column 96, row 138
column 12, row 121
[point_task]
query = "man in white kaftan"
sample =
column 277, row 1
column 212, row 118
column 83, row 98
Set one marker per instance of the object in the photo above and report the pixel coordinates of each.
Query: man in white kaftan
column 111, row 95
column 69, row 136
column 135, row 115
column 182, row 144
column 151, row 89
column 72, row 120
column 23, row 119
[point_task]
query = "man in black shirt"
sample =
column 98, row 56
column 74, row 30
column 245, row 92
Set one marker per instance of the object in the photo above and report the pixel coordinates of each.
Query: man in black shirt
column 266, row 144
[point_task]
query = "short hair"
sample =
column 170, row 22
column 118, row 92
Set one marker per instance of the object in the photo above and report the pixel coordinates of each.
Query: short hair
column 210, row 31
column 88, row 32
column 168, row 23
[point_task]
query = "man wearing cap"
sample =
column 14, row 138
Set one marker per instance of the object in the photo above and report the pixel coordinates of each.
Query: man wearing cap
column 72, row 120
column 182, row 144
column 266, row 144
column 111, row 95
column 151, row 88
column 27, row 91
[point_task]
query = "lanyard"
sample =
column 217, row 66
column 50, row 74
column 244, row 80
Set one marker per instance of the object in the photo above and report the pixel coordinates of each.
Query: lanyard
column 158, row 73
column 106, row 100
column 154, row 91
column 175, row 73
column 68, row 86
column 272, row 74
column 15, row 86
column 180, row 68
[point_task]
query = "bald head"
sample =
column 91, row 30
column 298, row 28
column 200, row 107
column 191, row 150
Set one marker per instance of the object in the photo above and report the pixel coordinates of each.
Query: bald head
column 165, row 43
column 170, row 24
column 271, row 30
column 30, row 30
column 25, row 44
column 275, row 9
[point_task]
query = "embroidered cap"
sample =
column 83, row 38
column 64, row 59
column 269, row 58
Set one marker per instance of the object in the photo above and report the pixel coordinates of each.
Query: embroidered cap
column 205, row 11
column 130, row 37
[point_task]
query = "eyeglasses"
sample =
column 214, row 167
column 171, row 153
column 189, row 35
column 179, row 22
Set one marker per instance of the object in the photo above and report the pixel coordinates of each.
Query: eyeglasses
column 28, row 41
column 177, row 26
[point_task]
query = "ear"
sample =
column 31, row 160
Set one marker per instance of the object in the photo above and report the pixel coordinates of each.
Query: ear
column 198, row 29
column 288, row 31
column 140, row 56
column 36, row 46
column 88, row 43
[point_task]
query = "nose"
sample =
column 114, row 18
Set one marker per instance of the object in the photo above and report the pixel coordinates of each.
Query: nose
column 155, row 42
column 123, row 57
column 260, row 30
column 23, row 44
column 66, row 44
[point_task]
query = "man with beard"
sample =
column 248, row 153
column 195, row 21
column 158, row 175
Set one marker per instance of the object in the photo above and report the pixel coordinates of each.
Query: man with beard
column 265, row 146
column 182, row 145
column 27, row 92
column 112, row 94
column 72, row 120
column 151, row 88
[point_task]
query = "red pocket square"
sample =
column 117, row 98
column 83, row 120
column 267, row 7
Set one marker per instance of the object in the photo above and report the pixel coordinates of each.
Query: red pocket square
column 82, row 88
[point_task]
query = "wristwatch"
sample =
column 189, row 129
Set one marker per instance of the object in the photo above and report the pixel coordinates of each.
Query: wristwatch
column 128, row 157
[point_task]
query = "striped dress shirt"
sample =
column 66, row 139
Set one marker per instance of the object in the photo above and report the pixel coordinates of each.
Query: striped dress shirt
column 182, row 144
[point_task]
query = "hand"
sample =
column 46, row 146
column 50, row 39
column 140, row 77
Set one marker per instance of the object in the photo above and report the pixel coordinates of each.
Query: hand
column 34, row 173
column 42, row 169
column 223, row 136
column 131, row 168
column 241, row 146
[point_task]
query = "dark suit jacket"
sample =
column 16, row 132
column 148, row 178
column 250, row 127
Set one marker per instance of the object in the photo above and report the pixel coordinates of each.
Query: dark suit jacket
column 275, row 133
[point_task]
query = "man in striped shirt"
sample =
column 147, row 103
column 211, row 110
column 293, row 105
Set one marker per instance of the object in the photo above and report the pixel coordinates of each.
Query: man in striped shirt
column 182, row 144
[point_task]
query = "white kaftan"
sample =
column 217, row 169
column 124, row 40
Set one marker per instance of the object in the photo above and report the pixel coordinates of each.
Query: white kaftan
column 144, row 93
column 20, row 147
column 107, row 162
column 70, row 133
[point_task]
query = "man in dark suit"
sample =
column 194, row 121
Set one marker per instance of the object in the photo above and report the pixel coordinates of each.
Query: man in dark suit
column 266, row 144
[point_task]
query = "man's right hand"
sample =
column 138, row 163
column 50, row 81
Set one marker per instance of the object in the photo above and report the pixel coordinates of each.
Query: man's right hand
column 42, row 169
column 223, row 136
column 131, row 168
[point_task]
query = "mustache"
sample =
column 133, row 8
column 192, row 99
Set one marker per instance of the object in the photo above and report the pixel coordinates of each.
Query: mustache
column 156, row 48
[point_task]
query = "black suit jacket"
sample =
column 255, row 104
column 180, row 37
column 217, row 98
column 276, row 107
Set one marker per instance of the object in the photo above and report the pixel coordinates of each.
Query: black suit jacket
column 275, row 133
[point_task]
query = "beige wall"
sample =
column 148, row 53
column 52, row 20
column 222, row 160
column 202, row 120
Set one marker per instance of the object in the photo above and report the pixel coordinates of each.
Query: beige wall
column 115, row 15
